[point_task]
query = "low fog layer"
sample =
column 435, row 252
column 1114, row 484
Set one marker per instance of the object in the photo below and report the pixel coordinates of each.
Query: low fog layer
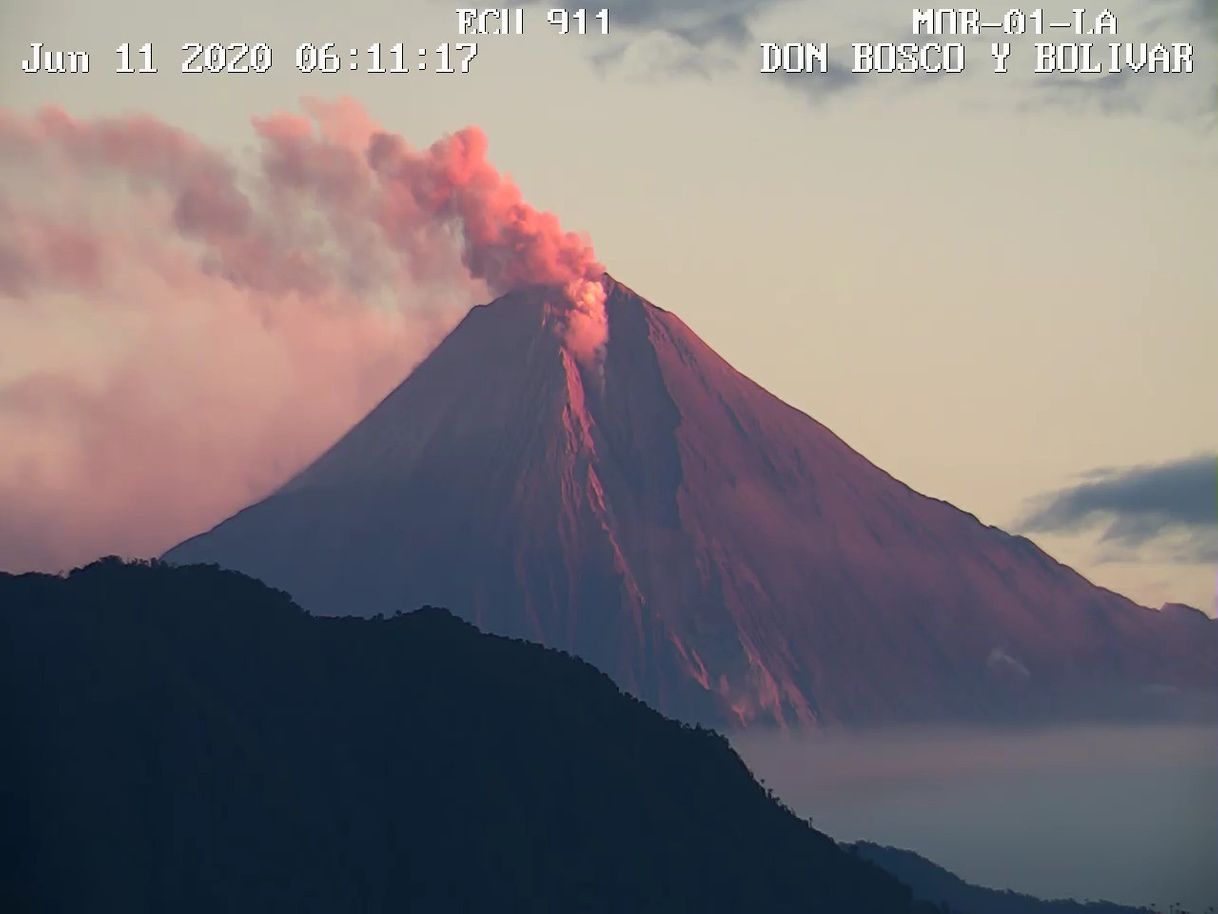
column 1121, row 813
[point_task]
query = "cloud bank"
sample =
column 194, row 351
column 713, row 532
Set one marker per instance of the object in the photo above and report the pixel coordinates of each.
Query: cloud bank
column 1140, row 505
column 706, row 38
column 181, row 327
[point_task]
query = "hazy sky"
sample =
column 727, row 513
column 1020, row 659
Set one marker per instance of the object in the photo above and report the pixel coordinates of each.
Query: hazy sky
column 989, row 285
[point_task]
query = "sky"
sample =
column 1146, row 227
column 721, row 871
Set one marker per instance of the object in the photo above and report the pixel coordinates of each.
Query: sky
column 1001, row 289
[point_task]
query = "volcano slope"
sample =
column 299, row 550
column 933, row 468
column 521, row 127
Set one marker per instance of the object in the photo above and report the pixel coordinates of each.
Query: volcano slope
column 719, row 553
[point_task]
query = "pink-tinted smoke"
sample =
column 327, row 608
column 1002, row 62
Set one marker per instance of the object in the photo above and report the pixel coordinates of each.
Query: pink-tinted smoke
column 181, row 328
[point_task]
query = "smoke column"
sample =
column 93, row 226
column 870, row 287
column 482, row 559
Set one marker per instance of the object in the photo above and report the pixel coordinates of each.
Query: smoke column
column 507, row 243
column 181, row 328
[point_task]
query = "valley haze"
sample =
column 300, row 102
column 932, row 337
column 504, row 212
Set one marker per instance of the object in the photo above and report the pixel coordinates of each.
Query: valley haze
column 1123, row 813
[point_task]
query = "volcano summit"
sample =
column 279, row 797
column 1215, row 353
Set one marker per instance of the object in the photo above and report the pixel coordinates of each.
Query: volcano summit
column 719, row 553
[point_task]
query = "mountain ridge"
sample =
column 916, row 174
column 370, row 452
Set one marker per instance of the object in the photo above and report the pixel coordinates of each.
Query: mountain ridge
column 188, row 739
column 936, row 885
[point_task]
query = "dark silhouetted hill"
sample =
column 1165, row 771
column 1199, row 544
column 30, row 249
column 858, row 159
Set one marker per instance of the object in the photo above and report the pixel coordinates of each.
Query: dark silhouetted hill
column 187, row 739
column 931, row 883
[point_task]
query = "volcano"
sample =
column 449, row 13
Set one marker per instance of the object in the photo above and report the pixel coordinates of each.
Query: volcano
column 720, row 554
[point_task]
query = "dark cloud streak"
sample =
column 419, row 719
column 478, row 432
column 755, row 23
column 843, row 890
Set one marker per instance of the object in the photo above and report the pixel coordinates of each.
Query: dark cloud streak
column 699, row 22
column 1139, row 505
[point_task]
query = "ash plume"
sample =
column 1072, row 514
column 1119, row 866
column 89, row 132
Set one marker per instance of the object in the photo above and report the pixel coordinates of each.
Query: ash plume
column 183, row 326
